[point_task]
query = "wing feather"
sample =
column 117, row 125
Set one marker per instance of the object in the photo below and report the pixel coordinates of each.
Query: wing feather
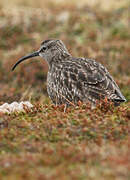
column 94, row 78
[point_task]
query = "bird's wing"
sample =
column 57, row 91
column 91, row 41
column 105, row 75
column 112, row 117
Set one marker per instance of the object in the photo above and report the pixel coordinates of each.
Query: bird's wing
column 94, row 80
column 100, row 81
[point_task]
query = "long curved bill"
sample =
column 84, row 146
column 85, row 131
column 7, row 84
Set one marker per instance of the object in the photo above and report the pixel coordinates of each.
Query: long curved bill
column 26, row 57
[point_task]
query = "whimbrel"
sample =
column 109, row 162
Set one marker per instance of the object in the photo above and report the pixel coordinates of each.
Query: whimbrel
column 72, row 79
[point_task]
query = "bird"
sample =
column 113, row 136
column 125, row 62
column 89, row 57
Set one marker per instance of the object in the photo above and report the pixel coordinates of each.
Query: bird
column 75, row 79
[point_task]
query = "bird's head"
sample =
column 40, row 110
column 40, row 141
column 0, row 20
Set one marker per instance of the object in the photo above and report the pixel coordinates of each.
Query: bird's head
column 49, row 50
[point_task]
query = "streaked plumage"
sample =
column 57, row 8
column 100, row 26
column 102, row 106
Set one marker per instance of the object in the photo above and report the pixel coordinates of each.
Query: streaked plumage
column 73, row 79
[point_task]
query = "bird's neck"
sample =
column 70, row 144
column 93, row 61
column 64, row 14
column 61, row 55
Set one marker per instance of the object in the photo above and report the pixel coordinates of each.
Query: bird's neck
column 58, row 57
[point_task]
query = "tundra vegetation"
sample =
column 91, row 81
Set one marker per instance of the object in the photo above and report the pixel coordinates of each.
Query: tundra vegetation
column 44, row 142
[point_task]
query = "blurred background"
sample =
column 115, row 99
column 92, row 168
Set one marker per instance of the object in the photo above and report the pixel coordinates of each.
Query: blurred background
column 96, row 29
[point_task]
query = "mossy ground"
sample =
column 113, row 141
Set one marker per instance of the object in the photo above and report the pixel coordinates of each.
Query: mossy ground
column 45, row 142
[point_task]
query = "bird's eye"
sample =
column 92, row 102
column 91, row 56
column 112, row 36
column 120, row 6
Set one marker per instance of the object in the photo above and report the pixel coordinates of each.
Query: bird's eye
column 43, row 49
